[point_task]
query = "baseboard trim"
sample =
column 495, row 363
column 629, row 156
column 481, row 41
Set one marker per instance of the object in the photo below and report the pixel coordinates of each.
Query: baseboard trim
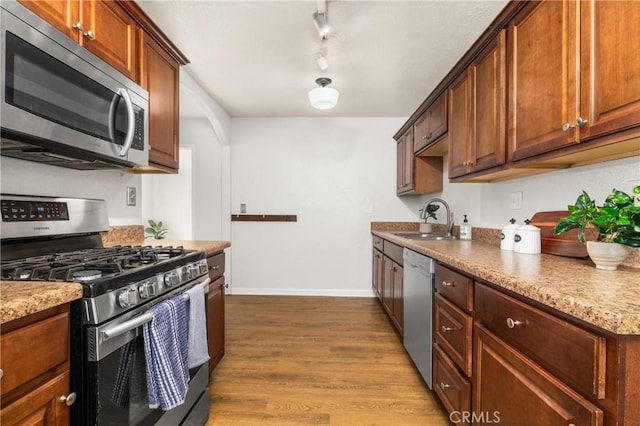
column 301, row 292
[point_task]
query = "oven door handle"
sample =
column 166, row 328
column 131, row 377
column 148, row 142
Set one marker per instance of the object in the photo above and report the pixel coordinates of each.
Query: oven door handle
column 136, row 322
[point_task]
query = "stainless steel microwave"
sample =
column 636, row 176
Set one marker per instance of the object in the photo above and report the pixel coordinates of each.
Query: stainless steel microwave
column 63, row 106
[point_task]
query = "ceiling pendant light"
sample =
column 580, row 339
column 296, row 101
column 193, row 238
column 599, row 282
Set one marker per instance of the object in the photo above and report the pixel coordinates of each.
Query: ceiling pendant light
column 323, row 97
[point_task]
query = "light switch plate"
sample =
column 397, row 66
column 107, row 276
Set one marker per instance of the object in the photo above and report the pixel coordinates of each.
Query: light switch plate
column 516, row 200
column 131, row 196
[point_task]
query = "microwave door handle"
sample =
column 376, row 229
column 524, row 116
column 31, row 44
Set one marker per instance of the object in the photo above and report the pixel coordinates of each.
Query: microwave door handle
column 128, row 141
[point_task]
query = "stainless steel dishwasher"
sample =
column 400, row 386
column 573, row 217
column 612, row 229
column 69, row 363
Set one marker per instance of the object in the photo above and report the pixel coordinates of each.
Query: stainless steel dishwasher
column 418, row 311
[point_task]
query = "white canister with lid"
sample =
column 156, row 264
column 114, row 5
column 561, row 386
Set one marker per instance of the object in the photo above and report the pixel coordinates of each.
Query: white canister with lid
column 506, row 238
column 527, row 239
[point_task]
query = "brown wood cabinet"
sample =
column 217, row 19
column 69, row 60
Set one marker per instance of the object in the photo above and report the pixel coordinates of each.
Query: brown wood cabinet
column 431, row 125
column 388, row 280
column 160, row 75
column 35, row 369
column 564, row 92
column 517, row 391
column 477, row 112
column 215, row 310
column 392, row 291
column 573, row 74
column 378, row 273
column 452, row 331
column 416, row 175
column 544, row 78
column 102, row 27
column 609, row 64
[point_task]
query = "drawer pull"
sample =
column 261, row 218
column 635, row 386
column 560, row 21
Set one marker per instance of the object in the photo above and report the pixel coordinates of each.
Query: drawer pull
column 68, row 399
column 214, row 268
column 443, row 385
column 444, row 328
column 447, row 284
column 511, row 323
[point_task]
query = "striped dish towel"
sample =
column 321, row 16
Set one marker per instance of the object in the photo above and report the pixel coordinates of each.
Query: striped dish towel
column 165, row 348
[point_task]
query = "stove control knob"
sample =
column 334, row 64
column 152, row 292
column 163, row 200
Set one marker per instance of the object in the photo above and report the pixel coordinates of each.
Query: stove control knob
column 171, row 279
column 148, row 289
column 184, row 271
column 193, row 271
column 127, row 298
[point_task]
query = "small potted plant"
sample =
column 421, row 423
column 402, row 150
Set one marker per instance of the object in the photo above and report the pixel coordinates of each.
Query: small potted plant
column 614, row 225
column 155, row 230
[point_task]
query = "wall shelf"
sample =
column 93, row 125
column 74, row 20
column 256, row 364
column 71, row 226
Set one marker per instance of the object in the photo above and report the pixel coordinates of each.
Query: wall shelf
column 264, row 218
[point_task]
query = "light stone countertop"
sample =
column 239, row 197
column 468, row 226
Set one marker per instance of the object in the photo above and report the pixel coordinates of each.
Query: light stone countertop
column 606, row 299
column 22, row 298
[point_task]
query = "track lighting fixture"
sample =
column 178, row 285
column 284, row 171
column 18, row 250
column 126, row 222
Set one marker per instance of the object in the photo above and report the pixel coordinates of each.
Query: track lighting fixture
column 323, row 97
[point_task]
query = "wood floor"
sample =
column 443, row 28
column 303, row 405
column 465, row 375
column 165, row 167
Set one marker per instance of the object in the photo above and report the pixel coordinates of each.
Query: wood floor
column 316, row 361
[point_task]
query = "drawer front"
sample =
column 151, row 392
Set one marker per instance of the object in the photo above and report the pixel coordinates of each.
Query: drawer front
column 216, row 265
column 377, row 242
column 455, row 287
column 514, row 390
column 453, row 389
column 452, row 330
column 30, row 351
column 394, row 252
column 576, row 356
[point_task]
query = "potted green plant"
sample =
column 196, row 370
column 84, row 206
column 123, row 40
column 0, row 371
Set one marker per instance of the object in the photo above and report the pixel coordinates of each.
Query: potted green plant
column 155, row 230
column 614, row 225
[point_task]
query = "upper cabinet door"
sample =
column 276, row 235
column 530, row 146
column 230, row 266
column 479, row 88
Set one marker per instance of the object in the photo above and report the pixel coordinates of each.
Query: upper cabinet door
column 489, row 106
column 459, row 127
column 543, row 45
column 610, row 66
column 110, row 33
column 161, row 77
column 64, row 15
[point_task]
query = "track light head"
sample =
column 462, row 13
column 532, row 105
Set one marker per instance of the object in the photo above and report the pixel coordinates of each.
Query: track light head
column 320, row 21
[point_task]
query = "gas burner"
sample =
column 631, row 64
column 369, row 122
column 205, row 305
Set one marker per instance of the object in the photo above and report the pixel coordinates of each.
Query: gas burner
column 87, row 275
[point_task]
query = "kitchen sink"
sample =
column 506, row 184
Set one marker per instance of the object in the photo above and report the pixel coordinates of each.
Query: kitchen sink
column 423, row 236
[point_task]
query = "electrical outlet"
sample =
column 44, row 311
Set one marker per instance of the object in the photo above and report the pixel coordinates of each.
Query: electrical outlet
column 516, row 200
column 131, row 196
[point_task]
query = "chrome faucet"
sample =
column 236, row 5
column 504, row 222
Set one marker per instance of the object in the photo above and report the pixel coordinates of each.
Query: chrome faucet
column 424, row 213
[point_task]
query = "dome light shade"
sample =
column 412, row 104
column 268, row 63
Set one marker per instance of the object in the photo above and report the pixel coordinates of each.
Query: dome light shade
column 323, row 97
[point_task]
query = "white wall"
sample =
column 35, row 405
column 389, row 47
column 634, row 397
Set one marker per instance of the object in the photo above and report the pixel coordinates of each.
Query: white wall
column 338, row 175
column 25, row 177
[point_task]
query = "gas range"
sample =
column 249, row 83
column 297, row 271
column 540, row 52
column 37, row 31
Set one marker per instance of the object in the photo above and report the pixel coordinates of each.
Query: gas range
column 58, row 240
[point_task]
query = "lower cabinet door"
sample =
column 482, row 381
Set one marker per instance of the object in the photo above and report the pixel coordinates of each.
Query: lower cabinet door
column 41, row 406
column 215, row 322
column 511, row 389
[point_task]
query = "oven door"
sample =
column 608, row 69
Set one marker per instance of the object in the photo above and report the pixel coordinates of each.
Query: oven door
column 114, row 390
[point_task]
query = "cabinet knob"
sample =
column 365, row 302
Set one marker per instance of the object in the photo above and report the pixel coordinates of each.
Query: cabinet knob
column 445, row 329
column 90, row 35
column 68, row 400
column 443, row 385
column 447, row 284
column 511, row 323
column 581, row 122
column 214, row 268
column 78, row 26
column 1, row 374
column 568, row 126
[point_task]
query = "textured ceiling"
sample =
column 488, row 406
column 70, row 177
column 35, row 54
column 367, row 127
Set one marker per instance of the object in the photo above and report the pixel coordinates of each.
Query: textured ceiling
column 256, row 58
